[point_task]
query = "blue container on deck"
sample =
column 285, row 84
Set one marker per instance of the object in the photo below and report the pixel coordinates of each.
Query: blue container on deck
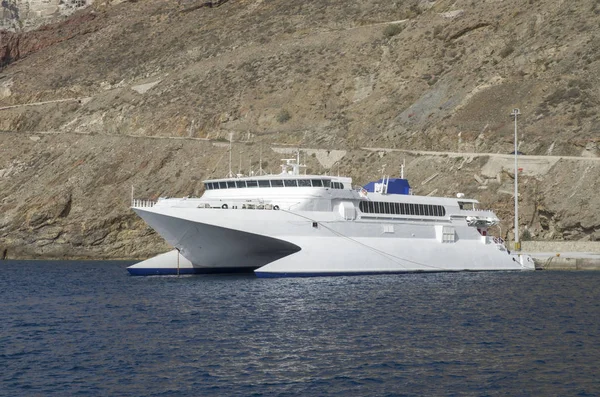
column 395, row 186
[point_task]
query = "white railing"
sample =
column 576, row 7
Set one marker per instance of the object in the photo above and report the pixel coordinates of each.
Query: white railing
column 136, row 203
column 239, row 205
column 476, row 210
column 497, row 240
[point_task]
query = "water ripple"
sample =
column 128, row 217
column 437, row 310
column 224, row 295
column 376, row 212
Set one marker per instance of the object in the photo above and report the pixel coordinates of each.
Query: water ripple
column 89, row 329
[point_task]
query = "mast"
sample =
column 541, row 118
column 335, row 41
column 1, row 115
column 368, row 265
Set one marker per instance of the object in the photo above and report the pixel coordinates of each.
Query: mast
column 305, row 167
column 260, row 169
column 402, row 168
column 230, row 175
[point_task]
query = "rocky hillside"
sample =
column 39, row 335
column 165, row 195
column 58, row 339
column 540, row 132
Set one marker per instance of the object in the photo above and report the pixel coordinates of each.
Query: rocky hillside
column 143, row 92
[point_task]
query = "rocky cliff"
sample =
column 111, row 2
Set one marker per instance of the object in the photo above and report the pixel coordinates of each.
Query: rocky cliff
column 143, row 92
column 24, row 15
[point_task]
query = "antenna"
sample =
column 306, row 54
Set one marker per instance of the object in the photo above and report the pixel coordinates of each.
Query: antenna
column 305, row 167
column 402, row 168
column 240, row 166
column 260, row 170
column 230, row 175
column 384, row 182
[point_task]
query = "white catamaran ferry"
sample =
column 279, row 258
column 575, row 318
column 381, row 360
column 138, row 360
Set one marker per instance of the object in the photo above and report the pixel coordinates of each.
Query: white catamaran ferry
column 313, row 225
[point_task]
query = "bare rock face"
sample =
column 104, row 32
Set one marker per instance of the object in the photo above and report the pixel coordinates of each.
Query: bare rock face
column 24, row 15
column 14, row 46
column 124, row 93
column 9, row 47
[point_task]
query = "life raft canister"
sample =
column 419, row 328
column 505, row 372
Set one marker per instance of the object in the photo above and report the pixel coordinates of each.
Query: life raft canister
column 224, row 206
column 275, row 207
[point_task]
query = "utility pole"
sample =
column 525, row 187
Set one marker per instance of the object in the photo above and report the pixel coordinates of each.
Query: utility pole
column 516, row 113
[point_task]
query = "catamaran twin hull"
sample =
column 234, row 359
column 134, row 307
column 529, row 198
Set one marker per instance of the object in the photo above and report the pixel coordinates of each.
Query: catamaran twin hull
column 314, row 243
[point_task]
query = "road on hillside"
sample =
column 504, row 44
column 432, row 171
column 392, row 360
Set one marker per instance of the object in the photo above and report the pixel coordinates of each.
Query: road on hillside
column 471, row 154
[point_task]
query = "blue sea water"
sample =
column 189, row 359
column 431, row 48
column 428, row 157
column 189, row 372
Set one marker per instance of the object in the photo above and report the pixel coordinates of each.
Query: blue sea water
column 89, row 329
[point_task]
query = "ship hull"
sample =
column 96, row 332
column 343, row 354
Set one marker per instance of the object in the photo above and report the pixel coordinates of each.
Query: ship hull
column 207, row 248
column 302, row 244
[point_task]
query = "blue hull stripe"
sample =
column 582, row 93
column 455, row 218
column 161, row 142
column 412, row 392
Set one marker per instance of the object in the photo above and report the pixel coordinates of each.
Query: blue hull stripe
column 169, row 271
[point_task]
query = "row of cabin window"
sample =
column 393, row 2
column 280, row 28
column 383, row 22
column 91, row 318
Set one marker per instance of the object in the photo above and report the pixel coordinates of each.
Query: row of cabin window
column 376, row 207
column 274, row 183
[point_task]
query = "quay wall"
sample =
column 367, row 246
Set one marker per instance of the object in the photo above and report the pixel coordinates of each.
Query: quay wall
column 565, row 263
column 564, row 255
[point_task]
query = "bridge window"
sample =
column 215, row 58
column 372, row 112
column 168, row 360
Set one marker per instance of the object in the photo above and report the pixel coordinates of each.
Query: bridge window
column 304, row 182
column 264, row 183
column 377, row 207
column 326, row 182
column 252, row 183
column 276, row 183
column 231, row 184
column 240, row 184
column 222, row 185
column 290, row 182
column 441, row 210
column 317, row 183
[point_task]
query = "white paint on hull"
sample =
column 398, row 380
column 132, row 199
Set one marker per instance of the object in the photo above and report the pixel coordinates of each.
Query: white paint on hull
column 315, row 242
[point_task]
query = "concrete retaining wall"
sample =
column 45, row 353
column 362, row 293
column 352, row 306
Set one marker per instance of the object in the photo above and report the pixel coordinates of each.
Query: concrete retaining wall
column 564, row 255
column 560, row 263
column 561, row 246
